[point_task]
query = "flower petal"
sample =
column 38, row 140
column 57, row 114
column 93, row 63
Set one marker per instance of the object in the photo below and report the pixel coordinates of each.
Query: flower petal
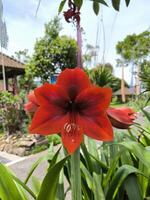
column 94, row 101
column 72, row 135
column 32, row 98
column 49, row 94
column 48, row 121
column 30, row 107
column 121, row 117
column 98, row 128
column 74, row 81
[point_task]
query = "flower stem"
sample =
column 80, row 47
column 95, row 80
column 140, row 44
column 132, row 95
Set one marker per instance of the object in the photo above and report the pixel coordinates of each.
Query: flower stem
column 76, row 175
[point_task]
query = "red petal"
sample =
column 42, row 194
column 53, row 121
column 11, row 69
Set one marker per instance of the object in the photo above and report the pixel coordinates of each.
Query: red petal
column 32, row 98
column 49, row 94
column 48, row 121
column 72, row 135
column 125, row 115
column 94, row 101
column 30, row 107
column 74, row 81
column 98, row 128
column 121, row 117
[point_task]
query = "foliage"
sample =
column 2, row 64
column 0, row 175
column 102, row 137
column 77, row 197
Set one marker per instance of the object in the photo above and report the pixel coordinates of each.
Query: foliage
column 22, row 55
column 95, row 3
column 90, row 53
column 115, row 170
column 145, row 75
column 11, row 112
column 52, row 52
column 38, row 149
column 134, row 48
column 55, row 139
column 103, row 77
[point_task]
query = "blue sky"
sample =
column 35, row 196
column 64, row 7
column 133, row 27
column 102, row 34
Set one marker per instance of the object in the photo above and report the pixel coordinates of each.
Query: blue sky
column 24, row 28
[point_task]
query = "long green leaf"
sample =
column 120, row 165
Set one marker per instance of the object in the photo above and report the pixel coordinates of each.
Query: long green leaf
column 133, row 188
column 116, row 4
column 61, row 6
column 147, row 114
column 96, row 7
column 54, row 159
column 36, row 184
column 87, row 176
column 50, row 182
column 100, row 1
column 139, row 151
column 78, row 3
column 97, row 187
column 8, row 188
column 127, row 2
column 34, row 166
column 24, row 186
column 111, row 170
column 121, row 174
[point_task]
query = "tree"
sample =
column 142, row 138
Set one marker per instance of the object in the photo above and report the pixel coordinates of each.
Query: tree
column 103, row 76
column 90, row 53
column 52, row 52
column 22, row 55
column 145, row 75
column 134, row 49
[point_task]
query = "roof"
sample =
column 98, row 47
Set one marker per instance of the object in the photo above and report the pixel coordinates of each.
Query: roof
column 12, row 66
column 128, row 91
column 11, row 62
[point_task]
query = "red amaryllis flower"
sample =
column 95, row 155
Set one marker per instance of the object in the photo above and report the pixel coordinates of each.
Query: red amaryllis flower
column 32, row 105
column 121, row 118
column 72, row 107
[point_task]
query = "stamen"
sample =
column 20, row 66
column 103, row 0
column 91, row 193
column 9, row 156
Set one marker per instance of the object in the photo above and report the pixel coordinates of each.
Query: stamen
column 70, row 127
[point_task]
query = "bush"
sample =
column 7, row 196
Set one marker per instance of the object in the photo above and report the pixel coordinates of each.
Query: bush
column 55, row 139
column 12, row 114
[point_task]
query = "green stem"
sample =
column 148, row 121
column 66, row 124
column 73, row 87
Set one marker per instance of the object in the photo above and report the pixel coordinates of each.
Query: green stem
column 76, row 175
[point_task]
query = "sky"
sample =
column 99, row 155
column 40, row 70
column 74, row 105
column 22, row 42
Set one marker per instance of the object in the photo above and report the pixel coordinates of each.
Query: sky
column 24, row 27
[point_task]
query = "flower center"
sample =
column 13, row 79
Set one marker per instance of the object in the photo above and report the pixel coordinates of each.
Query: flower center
column 72, row 106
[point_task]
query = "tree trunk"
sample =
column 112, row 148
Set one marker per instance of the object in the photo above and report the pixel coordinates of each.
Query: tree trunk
column 123, row 86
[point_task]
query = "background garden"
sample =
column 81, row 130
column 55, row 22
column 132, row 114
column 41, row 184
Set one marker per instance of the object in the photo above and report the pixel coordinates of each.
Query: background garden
column 116, row 170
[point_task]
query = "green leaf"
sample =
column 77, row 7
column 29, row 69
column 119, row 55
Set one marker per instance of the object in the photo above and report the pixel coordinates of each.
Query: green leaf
column 8, row 188
column 78, row 3
column 147, row 114
column 96, row 7
column 87, row 157
column 54, row 159
column 111, row 170
column 61, row 6
column 97, row 188
column 143, row 180
column 127, row 2
column 92, row 148
column 87, row 176
column 100, row 1
column 60, row 188
column 50, row 182
column 139, row 151
column 122, row 173
column 116, row 4
column 36, row 183
column 34, row 166
column 133, row 188
column 24, row 186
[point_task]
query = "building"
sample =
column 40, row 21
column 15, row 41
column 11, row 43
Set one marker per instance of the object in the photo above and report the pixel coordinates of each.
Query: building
column 129, row 93
column 13, row 68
